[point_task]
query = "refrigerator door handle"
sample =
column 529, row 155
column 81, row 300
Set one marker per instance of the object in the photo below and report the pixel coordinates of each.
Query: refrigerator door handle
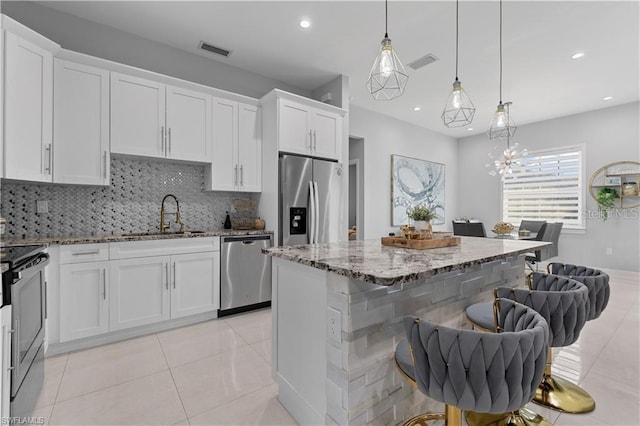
column 312, row 211
column 317, row 212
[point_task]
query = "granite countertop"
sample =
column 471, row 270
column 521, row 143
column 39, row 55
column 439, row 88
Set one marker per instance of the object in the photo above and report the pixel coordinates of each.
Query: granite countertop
column 372, row 262
column 134, row 236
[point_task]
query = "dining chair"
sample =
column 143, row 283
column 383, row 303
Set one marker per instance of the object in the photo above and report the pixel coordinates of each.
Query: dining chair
column 549, row 232
column 531, row 225
column 468, row 229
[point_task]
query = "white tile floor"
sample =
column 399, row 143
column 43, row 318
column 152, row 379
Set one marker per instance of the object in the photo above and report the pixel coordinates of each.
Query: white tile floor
column 218, row 372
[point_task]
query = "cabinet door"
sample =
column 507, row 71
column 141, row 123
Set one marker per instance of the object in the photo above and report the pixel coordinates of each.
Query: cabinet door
column 195, row 283
column 250, row 148
column 293, row 128
column 84, row 306
column 81, row 124
column 188, row 125
column 224, row 167
column 139, row 292
column 137, row 116
column 28, row 125
column 326, row 134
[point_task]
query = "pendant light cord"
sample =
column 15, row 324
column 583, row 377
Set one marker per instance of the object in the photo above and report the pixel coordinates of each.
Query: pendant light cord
column 500, row 51
column 386, row 20
column 456, row 40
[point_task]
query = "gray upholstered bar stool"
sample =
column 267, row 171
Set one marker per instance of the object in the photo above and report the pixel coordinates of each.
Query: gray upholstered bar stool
column 473, row 370
column 563, row 304
column 597, row 283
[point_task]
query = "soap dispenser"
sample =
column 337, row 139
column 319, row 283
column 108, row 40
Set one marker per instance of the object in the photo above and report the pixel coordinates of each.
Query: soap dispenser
column 227, row 222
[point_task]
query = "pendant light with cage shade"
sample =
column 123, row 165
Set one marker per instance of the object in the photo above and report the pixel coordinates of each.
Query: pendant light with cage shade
column 501, row 126
column 459, row 110
column 388, row 77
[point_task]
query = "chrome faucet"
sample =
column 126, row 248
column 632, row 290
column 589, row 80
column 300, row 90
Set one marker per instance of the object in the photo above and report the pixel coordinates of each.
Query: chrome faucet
column 163, row 226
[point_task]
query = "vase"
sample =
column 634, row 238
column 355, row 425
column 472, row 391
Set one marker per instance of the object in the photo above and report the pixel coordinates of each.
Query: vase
column 424, row 227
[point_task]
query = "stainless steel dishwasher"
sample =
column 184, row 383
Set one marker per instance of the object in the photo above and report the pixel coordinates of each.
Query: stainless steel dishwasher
column 245, row 273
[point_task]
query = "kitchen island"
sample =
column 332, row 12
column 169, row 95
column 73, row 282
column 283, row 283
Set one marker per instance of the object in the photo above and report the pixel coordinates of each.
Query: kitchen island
column 337, row 317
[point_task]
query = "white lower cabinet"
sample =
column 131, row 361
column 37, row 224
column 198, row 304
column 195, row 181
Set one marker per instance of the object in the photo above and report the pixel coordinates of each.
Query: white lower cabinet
column 139, row 291
column 193, row 291
column 84, row 305
column 115, row 286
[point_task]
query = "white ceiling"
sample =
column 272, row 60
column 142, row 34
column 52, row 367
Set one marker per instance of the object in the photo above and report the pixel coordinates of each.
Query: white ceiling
column 539, row 37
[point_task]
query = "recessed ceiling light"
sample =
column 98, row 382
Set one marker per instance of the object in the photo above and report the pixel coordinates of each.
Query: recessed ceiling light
column 469, row 129
column 305, row 23
column 577, row 55
column 607, row 98
column 417, row 108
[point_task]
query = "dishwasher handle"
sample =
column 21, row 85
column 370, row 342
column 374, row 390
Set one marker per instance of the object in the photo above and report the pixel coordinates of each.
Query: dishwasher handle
column 246, row 239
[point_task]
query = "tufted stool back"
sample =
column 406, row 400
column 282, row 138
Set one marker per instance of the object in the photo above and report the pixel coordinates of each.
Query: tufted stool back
column 473, row 370
column 597, row 283
column 561, row 301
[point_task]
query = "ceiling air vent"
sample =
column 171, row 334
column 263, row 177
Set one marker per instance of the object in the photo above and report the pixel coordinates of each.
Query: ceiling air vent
column 423, row 62
column 214, row 49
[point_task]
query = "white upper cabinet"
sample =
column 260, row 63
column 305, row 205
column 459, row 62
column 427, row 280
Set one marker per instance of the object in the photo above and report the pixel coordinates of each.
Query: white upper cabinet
column 152, row 119
column 81, row 124
column 308, row 129
column 326, row 134
column 237, row 147
column 250, row 147
column 28, row 93
column 188, row 125
column 137, row 116
column 294, row 128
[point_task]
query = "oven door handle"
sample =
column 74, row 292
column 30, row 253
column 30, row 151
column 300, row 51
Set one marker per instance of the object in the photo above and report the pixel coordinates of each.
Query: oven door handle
column 15, row 350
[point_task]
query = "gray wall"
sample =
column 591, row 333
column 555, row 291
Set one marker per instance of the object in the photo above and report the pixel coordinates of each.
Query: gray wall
column 384, row 136
column 106, row 42
column 609, row 135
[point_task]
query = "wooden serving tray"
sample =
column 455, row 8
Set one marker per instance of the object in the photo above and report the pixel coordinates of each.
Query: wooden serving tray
column 420, row 244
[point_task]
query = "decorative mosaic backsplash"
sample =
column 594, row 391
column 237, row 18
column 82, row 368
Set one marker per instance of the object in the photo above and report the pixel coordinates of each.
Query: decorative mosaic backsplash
column 130, row 204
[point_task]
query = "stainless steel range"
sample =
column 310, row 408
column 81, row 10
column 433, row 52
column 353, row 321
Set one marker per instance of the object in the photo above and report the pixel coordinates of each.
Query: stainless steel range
column 24, row 288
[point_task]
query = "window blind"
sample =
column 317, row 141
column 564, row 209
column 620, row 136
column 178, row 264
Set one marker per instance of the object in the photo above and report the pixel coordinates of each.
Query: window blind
column 547, row 186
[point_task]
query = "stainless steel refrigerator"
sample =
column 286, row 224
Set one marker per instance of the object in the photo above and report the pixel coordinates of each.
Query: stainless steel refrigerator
column 310, row 199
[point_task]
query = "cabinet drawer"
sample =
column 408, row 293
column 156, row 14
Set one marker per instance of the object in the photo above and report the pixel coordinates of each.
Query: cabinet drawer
column 133, row 249
column 79, row 253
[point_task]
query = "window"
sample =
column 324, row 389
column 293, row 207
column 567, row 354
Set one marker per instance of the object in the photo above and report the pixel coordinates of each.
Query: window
column 548, row 186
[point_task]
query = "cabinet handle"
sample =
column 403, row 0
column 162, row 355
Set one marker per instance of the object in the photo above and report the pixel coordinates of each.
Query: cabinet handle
column 48, row 168
column 310, row 140
column 85, row 253
column 104, row 284
column 104, row 164
column 241, row 176
column 235, row 177
column 169, row 140
column 162, row 139
column 166, row 271
column 315, row 140
column 174, row 274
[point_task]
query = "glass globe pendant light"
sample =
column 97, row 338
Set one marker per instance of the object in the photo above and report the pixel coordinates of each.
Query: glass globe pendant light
column 388, row 76
column 501, row 126
column 459, row 110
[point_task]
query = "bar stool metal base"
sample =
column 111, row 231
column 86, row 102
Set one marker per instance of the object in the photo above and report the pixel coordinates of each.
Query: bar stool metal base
column 562, row 395
column 452, row 417
column 522, row 417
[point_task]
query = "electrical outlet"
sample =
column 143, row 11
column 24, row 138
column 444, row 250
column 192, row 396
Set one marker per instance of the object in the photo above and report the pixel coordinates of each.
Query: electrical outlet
column 42, row 206
column 334, row 325
column 609, row 251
